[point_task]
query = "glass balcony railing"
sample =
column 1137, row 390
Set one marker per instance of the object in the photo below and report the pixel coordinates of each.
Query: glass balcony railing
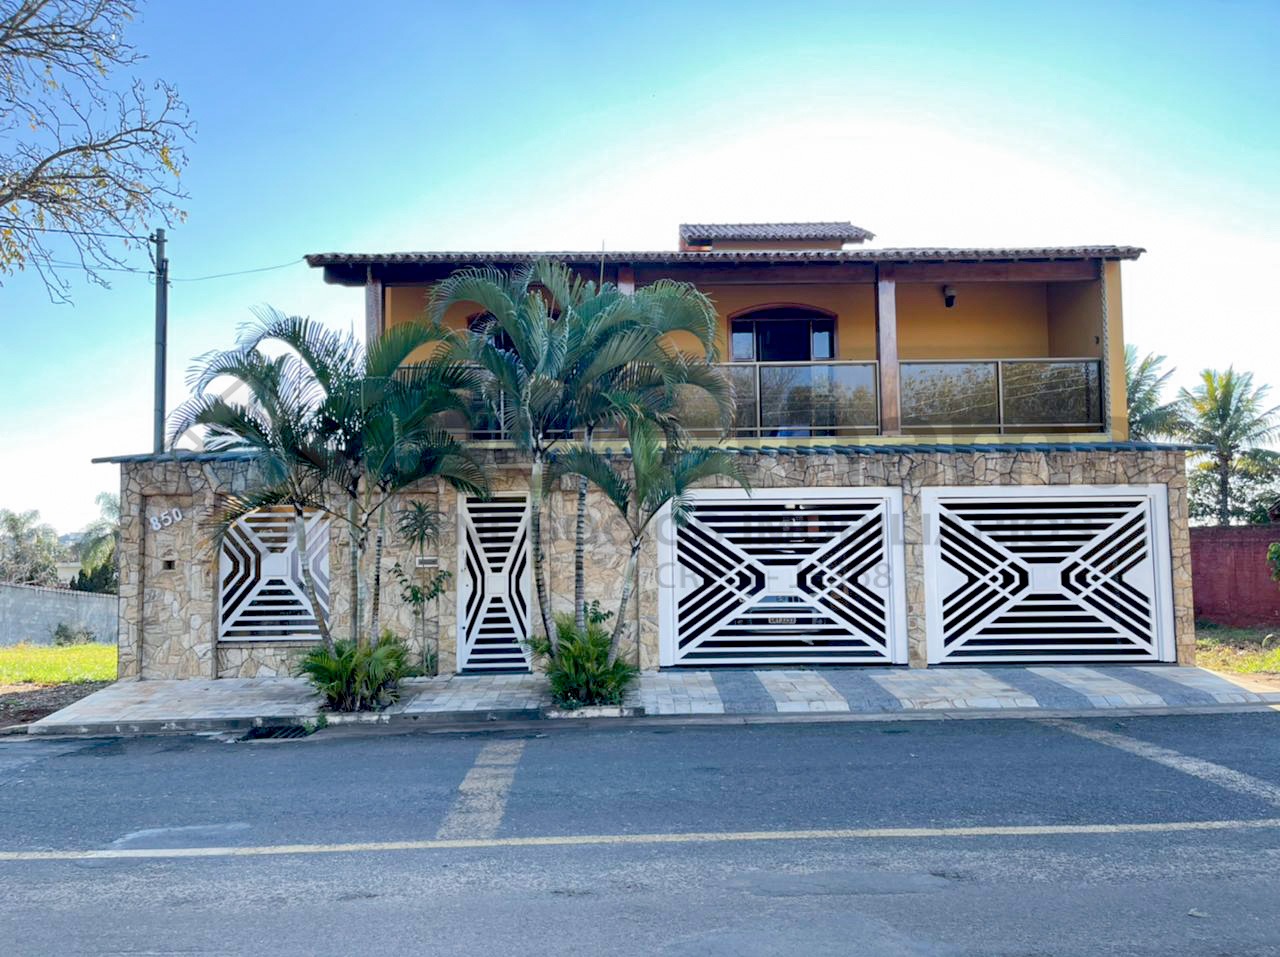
column 792, row 400
column 1002, row 395
column 832, row 399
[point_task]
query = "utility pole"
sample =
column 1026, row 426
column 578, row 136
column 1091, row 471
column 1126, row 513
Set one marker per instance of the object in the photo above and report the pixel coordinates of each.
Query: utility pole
column 162, row 335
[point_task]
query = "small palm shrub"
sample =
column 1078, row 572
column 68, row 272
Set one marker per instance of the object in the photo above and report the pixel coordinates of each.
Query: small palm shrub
column 580, row 672
column 358, row 677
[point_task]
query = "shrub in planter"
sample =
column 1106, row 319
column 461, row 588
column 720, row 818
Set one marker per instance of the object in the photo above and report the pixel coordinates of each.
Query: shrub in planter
column 358, row 677
column 580, row 673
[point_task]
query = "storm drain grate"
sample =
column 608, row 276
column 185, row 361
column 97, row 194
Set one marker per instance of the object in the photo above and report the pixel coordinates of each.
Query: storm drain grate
column 273, row 732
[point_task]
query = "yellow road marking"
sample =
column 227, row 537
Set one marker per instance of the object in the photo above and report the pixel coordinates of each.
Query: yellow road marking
column 482, row 795
column 694, row 837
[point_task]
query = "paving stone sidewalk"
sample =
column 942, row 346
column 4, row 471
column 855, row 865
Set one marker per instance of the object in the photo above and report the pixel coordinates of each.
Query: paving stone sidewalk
column 145, row 706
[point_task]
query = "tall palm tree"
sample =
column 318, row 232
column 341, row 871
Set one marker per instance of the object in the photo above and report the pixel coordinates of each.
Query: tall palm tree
column 627, row 369
column 381, row 415
column 662, row 472
column 1226, row 412
column 559, row 354
column 277, row 427
column 330, row 413
column 1145, row 381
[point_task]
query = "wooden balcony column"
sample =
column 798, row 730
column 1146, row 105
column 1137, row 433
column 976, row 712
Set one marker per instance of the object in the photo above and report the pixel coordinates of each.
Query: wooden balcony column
column 373, row 307
column 890, row 390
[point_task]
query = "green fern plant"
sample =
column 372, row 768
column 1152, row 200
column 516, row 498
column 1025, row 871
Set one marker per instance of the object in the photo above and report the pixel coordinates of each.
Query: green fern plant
column 579, row 671
column 356, row 676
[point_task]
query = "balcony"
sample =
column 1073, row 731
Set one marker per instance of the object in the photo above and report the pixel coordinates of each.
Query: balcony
column 840, row 399
column 800, row 400
column 1002, row 395
column 793, row 400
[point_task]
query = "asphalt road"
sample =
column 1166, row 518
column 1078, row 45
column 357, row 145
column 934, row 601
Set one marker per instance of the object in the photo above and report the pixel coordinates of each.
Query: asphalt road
column 1102, row 836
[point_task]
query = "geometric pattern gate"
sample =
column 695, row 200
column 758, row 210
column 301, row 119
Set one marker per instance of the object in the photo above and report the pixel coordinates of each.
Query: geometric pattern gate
column 493, row 585
column 261, row 592
column 1029, row 574
column 783, row 576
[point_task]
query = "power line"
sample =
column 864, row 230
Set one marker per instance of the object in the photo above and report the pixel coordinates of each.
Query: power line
column 241, row 272
column 84, row 232
column 148, row 272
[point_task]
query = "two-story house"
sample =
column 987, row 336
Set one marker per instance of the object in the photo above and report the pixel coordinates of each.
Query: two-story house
column 940, row 462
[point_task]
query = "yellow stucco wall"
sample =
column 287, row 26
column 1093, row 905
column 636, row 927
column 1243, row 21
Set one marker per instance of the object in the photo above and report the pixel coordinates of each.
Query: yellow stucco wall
column 988, row 320
column 1075, row 319
column 1004, row 320
column 1118, row 400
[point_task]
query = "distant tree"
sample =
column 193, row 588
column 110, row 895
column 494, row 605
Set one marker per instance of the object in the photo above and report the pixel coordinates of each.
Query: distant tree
column 1230, row 415
column 101, row 578
column 1255, row 488
column 1149, row 415
column 98, row 541
column 89, row 151
column 29, row 549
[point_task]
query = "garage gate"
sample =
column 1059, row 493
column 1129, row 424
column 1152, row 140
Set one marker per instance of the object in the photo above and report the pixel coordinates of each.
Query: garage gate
column 783, row 576
column 1028, row 575
column 1011, row 574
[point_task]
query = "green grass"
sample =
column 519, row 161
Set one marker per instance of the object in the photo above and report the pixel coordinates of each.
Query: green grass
column 43, row 665
column 1254, row 651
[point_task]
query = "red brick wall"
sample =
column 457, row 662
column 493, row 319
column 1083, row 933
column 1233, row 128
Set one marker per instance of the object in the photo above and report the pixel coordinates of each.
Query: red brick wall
column 1232, row 580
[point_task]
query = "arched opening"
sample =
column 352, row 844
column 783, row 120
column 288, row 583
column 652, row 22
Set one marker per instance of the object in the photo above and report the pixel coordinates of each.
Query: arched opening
column 783, row 333
column 787, row 379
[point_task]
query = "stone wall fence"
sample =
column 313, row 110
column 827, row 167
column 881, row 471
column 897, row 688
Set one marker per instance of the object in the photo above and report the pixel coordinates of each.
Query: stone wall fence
column 29, row 613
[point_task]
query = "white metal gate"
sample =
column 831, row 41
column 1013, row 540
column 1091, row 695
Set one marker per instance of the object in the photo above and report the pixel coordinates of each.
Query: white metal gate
column 1070, row 573
column 493, row 587
column 261, row 595
column 784, row 576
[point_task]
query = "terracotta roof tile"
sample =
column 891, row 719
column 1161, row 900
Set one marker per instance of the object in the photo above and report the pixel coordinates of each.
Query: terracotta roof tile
column 899, row 255
column 692, row 233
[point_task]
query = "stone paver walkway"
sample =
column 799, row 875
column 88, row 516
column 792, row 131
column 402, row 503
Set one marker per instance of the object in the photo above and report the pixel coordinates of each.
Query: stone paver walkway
column 133, row 706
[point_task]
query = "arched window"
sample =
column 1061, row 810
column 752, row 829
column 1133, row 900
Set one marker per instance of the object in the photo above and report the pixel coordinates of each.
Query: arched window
column 783, row 334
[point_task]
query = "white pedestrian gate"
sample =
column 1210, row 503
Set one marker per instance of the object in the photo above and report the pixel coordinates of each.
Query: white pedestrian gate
column 493, row 587
column 783, row 576
column 261, row 595
column 1070, row 573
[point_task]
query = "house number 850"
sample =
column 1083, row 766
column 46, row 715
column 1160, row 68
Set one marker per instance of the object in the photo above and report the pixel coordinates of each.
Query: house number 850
column 169, row 516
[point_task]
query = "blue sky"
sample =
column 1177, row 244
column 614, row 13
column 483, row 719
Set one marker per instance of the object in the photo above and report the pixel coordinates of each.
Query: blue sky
column 563, row 125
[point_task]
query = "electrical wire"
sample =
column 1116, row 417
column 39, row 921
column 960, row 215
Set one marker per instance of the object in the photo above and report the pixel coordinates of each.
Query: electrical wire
column 241, row 272
column 149, row 272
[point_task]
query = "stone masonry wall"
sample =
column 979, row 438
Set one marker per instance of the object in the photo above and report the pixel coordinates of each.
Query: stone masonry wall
column 168, row 614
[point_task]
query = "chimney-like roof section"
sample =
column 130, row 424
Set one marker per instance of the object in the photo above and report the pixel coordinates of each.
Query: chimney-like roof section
column 694, row 234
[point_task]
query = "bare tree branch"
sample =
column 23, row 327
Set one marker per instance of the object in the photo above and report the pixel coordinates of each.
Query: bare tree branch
column 91, row 154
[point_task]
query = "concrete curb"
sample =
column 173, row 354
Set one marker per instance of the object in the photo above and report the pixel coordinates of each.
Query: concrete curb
column 496, row 720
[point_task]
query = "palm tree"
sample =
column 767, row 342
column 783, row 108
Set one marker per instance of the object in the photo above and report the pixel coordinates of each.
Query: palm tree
column 662, row 474
column 329, row 413
column 1145, row 381
column 626, row 369
column 560, row 354
column 277, row 426
column 97, row 545
column 1227, row 413
column 382, row 417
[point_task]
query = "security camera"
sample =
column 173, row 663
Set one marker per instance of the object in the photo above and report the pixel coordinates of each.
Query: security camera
column 949, row 296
